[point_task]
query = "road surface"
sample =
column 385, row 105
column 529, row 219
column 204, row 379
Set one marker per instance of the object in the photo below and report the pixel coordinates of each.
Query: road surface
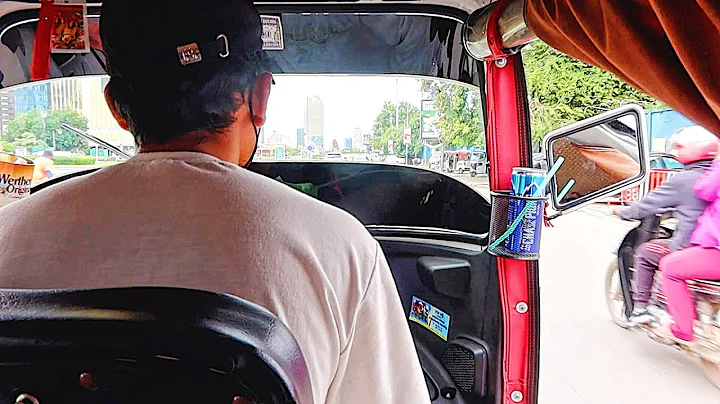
column 584, row 357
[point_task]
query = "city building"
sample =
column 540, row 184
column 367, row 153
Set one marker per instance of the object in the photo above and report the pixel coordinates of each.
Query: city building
column 101, row 122
column 31, row 98
column 348, row 143
column 274, row 137
column 86, row 95
column 301, row 137
column 357, row 139
column 7, row 108
column 315, row 121
column 67, row 94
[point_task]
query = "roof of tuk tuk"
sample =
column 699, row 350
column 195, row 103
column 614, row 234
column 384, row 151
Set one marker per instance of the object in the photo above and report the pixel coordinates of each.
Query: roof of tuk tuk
column 422, row 38
column 631, row 38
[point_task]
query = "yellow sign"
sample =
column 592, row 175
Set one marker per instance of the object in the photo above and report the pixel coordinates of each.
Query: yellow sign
column 16, row 174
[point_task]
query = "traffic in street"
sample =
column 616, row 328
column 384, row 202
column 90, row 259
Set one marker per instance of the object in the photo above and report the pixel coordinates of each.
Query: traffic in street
column 584, row 357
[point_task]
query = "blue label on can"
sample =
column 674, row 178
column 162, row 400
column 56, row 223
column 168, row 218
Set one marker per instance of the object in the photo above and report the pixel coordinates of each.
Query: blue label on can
column 525, row 239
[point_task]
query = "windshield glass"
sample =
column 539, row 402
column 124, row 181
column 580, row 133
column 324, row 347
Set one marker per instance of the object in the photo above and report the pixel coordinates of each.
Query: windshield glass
column 394, row 120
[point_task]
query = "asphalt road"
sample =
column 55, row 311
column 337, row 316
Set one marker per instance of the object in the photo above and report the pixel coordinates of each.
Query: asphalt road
column 584, row 357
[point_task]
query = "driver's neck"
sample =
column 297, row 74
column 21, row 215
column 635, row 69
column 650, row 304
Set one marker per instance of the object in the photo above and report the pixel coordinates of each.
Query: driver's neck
column 220, row 145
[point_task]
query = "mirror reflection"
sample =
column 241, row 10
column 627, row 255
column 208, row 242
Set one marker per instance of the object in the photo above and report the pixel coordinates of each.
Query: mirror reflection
column 597, row 157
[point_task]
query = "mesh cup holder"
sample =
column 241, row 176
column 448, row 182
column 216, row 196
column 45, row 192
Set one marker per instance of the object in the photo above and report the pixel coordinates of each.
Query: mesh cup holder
column 524, row 242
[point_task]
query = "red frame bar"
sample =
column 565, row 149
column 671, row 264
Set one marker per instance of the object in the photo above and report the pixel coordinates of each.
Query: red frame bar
column 508, row 147
column 40, row 65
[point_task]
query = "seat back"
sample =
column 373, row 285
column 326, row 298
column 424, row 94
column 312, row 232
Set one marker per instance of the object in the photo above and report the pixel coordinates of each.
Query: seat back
column 145, row 345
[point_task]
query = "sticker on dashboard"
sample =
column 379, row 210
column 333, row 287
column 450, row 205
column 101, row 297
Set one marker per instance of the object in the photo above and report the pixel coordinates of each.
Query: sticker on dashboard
column 430, row 317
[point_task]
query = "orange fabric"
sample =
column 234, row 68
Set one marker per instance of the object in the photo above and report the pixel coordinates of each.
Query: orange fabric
column 667, row 49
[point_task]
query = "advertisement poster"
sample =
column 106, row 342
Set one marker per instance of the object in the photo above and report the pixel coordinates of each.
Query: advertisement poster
column 272, row 34
column 429, row 119
column 69, row 29
column 430, row 317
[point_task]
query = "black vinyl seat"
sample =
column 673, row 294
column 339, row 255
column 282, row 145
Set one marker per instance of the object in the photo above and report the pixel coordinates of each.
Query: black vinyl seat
column 145, row 345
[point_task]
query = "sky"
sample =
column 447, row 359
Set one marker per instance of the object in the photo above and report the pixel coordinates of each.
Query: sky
column 348, row 101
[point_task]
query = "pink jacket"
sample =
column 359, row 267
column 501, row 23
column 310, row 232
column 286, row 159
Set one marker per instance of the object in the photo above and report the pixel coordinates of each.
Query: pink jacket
column 707, row 188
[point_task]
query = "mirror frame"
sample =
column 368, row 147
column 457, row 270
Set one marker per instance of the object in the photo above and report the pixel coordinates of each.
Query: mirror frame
column 605, row 117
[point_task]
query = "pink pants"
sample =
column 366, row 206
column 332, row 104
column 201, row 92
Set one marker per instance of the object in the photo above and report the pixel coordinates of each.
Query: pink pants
column 677, row 267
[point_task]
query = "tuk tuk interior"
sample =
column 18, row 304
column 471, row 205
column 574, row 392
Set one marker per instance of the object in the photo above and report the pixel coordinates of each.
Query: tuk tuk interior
column 496, row 328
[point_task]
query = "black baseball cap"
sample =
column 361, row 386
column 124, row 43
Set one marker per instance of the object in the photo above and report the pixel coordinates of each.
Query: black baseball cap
column 174, row 41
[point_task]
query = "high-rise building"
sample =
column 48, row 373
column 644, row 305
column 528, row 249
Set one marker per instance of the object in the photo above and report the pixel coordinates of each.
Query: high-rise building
column 68, row 94
column 32, row 98
column 357, row 140
column 301, row 137
column 93, row 106
column 315, row 120
column 274, row 137
column 7, row 108
column 261, row 136
column 348, row 143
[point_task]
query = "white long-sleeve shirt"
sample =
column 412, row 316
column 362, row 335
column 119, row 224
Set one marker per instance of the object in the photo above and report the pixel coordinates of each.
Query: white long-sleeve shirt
column 190, row 220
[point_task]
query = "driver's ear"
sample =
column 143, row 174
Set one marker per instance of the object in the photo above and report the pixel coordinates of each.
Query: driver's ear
column 113, row 109
column 260, row 95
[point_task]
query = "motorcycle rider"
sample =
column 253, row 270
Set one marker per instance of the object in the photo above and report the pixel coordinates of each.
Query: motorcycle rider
column 694, row 147
column 700, row 261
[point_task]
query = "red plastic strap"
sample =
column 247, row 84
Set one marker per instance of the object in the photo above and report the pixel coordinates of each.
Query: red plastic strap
column 546, row 219
column 40, row 67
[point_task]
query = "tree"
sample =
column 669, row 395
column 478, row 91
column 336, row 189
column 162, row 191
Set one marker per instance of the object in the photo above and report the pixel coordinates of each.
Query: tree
column 461, row 122
column 564, row 90
column 335, row 146
column 43, row 129
column 27, row 139
column 384, row 129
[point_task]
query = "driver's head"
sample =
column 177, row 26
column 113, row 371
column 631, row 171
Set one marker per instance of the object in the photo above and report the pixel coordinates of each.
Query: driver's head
column 185, row 73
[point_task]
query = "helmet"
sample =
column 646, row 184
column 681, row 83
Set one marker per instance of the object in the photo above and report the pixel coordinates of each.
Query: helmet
column 692, row 144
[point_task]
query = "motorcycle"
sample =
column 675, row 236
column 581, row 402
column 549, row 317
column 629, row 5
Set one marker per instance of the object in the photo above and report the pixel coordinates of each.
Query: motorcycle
column 618, row 294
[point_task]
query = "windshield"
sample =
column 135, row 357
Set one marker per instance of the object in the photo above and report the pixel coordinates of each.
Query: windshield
column 394, row 120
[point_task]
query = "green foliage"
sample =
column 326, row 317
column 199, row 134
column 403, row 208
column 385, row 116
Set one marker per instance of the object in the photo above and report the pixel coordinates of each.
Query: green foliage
column 74, row 160
column 384, row 129
column 461, row 122
column 6, row 146
column 27, row 139
column 31, row 125
column 564, row 90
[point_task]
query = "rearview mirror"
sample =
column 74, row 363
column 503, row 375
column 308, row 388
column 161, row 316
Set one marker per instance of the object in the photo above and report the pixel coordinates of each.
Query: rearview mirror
column 603, row 155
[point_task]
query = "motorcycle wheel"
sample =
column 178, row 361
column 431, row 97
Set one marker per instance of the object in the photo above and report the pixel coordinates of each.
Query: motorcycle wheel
column 614, row 297
column 473, row 173
column 712, row 371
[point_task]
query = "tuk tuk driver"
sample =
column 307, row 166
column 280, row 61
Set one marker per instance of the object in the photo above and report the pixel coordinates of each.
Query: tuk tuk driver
column 187, row 80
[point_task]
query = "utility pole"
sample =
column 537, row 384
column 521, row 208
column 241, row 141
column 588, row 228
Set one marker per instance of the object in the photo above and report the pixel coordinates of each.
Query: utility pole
column 397, row 106
column 407, row 125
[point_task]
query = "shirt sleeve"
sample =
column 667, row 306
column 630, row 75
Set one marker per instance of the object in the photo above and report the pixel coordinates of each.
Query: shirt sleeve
column 666, row 195
column 380, row 363
column 708, row 185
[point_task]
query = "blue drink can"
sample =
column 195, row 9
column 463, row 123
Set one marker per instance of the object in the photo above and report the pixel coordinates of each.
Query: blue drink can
column 525, row 239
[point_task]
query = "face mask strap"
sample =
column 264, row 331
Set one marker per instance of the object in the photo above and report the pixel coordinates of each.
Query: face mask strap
column 257, row 130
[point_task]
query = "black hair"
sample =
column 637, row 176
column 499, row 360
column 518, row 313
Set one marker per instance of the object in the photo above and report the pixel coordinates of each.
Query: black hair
column 158, row 111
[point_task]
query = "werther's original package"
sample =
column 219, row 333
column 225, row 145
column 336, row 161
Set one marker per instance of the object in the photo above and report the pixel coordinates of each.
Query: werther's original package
column 15, row 176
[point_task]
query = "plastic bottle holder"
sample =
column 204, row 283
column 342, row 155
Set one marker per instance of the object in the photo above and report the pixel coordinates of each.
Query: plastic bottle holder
column 523, row 243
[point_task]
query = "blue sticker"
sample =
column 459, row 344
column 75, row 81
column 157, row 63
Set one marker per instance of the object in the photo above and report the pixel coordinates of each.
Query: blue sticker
column 430, row 317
